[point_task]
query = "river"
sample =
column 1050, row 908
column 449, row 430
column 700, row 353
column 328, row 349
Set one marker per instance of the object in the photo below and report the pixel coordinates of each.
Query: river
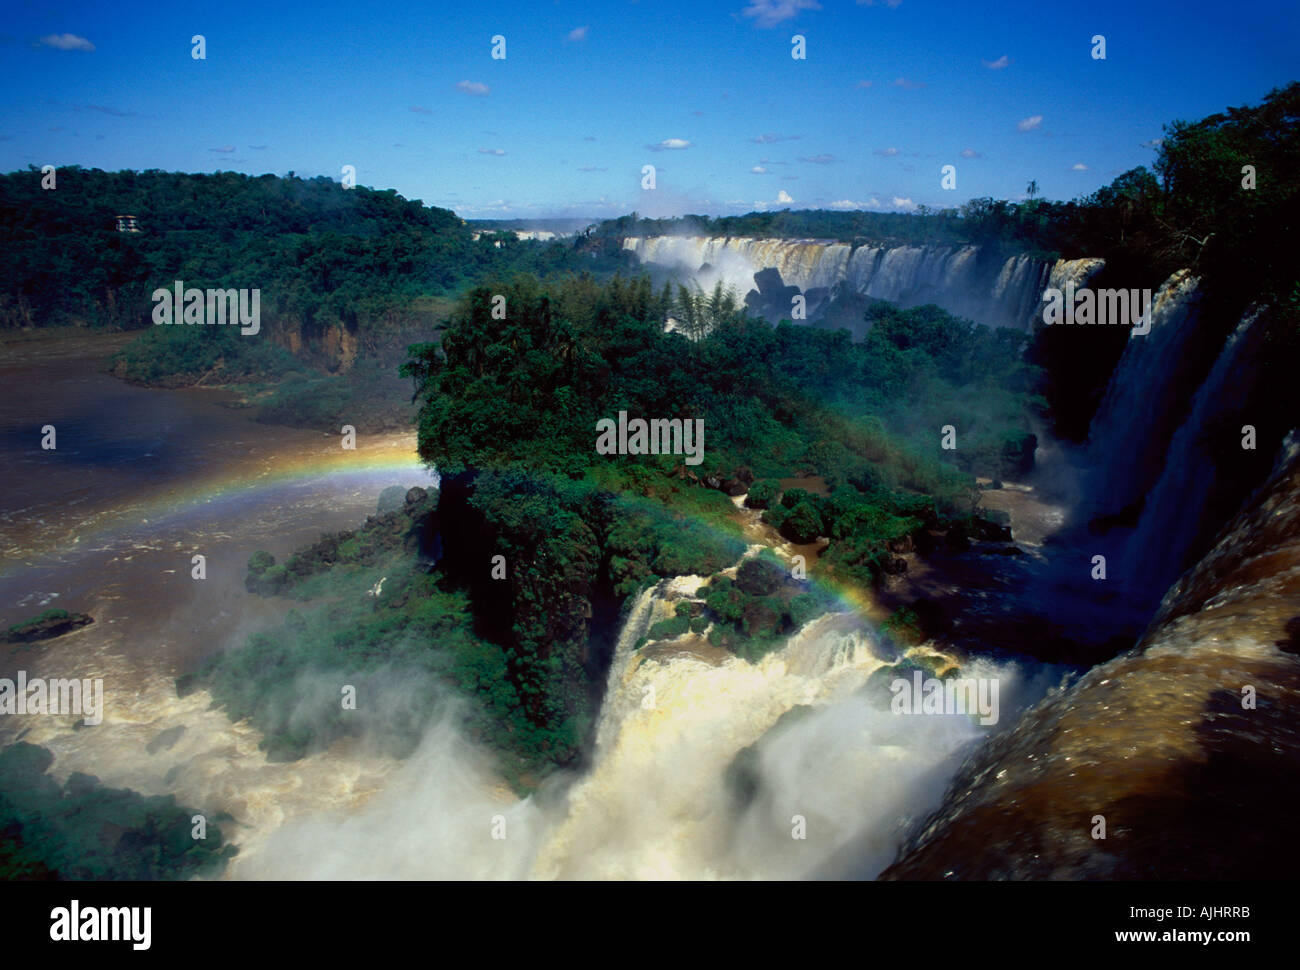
column 107, row 523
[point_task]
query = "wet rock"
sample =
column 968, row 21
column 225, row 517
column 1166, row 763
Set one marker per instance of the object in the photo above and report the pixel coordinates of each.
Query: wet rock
column 759, row 577
column 993, row 525
column 46, row 626
column 901, row 544
column 390, row 499
column 166, row 740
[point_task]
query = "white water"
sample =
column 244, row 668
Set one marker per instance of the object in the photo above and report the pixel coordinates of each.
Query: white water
column 654, row 803
column 963, row 280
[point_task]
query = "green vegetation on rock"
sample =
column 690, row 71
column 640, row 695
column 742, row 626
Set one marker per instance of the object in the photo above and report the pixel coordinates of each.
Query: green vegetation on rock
column 85, row 831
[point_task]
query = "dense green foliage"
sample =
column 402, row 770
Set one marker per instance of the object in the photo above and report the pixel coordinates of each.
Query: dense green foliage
column 85, row 831
column 572, row 552
column 509, row 405
column 346, row 276
column 526, row 391
column 321, row 254
column 753, row 613
column 519, row 647
column 374, row 618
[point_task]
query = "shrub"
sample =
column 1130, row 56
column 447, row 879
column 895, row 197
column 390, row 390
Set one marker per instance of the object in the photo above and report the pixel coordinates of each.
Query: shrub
column 803, row 524
column 762, row 493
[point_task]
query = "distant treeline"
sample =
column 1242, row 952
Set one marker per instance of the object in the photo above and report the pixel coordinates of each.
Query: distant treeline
column 322, row 255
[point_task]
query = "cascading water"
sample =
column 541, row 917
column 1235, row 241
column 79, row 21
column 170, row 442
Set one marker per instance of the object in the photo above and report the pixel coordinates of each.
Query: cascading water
column 656, row 801
column 1145, row 399
column 964, row 280
column 1173, row 516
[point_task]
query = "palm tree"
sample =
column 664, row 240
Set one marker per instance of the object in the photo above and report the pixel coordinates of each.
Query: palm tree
column 1032, row 188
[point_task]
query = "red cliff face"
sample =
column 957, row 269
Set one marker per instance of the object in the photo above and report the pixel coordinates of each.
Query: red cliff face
column 1188, row 747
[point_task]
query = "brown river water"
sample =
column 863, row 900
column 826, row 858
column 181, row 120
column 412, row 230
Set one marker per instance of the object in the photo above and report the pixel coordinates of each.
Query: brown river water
column 106, row 523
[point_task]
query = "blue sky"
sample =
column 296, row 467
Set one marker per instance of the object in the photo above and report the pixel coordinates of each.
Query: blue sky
column 589, row 92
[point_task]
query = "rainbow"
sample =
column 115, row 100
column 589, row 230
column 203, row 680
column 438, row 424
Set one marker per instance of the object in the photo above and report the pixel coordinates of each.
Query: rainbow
column 390, row 459
column 387, row 459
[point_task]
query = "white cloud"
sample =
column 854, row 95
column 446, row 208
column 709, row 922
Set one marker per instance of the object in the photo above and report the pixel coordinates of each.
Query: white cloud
column 670, row 143
column 759, row 170
column 970, row 153
column 67, row 42
column 769, row 13
column 997, row 65
column 473, row 87
column 1030, row 123
column 783, row 196
column 577, row 34
column 491, row 151
column 1078, row 167
column 887, row 152
column 903, row 203
column 1153, row 143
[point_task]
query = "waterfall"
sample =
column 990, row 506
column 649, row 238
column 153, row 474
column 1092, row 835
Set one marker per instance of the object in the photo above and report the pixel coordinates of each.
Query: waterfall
column 1145, row 399
column 1173, row 517
column 656, row 802
column 966, row 280
column 658, row 798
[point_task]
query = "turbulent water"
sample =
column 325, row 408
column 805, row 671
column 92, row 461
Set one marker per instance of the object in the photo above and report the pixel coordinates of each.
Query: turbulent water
column 965, row 280
column 654, row 802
